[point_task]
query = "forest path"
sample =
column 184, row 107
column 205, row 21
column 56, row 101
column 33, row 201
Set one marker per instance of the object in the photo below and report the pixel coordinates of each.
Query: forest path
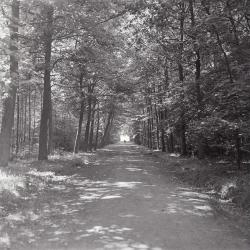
column 123, row 201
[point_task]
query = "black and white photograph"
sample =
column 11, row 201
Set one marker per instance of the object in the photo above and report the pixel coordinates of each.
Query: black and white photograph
column 124, row 124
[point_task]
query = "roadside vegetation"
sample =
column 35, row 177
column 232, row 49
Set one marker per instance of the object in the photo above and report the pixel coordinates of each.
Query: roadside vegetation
column 173, row 75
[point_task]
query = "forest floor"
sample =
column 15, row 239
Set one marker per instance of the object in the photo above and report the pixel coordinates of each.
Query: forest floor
column 122, row 197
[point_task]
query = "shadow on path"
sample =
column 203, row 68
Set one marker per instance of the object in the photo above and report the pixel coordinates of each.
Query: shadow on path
column 120, row 201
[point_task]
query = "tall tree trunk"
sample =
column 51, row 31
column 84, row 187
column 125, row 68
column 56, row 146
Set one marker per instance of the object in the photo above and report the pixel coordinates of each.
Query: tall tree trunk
column 91, row 135
column 197, row 53
column 183, row 137
column 144, row 142
column 17, row 124
column 238, row 149
column 152, row 127
column 87, row 128
column 25, row 120
column 21, row 120
column 34, row 119
column 163, row 143
column 79, row 129
column 50, row 138
column 46, row 106
column 10, row 99
column 202, row 140
column 97, row 127
column 82, row 108
column 30, row 119
column 181, row 78
column 171, row 143
column 157, row 127
column 105, row 138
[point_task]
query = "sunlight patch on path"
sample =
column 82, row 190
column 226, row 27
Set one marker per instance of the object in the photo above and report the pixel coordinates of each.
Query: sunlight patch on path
column 128, row 216
column 134, row 169
column 185, row 201
column 109, row 197
column 114, row 237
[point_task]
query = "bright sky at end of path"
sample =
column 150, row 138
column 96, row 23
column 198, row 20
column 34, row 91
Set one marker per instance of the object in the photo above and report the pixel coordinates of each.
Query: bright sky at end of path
column 124, row 138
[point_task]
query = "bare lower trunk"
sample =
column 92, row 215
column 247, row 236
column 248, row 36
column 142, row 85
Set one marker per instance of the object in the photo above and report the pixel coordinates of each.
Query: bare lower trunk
column 79, row 129
column 50, row 139
column 87, row 128
column 91, row 135
column 46, row 107
column 97, row 127
column 105, row 139
column 17, row 124
column 237, row 150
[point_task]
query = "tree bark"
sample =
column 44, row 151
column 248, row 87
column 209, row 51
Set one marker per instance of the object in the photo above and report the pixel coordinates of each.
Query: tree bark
column 46, row 107
column 183, row 137
column 157, row 127
column 238, row 150
column 197, row 53
column 181, row 78
column 163, row 143
column 105, row 138
column 91, row 135
column 10, row 99
column 51, row 128
column 171, row 143
column 97, row 127
column 82, row 108
column 87, row 128
column 17, row 124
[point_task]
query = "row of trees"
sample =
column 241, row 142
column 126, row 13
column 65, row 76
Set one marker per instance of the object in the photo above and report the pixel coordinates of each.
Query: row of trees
column 78, row 70
column 65, row 74
column 193, row 62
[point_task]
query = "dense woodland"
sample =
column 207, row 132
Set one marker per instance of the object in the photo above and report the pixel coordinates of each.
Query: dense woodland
column 173, row 74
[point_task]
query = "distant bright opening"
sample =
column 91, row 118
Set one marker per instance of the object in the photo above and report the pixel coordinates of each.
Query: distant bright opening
column 124, row 138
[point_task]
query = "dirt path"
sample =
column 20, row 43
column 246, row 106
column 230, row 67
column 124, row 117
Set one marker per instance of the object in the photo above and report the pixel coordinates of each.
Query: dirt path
column 121, row 201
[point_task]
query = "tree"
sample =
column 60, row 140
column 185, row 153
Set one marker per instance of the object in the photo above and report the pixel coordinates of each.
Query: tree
column 47, row 104
column 11, row 90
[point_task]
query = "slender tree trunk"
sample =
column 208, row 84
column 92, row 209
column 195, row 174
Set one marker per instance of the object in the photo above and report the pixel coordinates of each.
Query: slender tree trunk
column 163, row 143
column 181, row 78
column 25, row 120
column 183, row 137
column 46, row 107
column 82, row 108
column 238, row 150
column 21, row 120
column 152, row 127
column 10, row 99
column 91, row 135
column 157, row 127
column 97, row 127
column 50, row 138
column 171, row 143
column 34, row 119
column 202, row 140
column 17, row 124
column 79, row 129
column 87, row 128
column 145, row 134
column 105, row 138
column 30, row 119
column 197, row 53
